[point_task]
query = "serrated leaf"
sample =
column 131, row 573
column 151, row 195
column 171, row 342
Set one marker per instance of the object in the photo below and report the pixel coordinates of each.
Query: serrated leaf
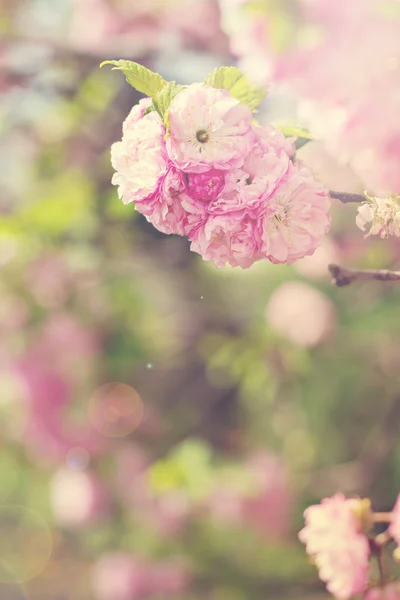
column 142, row 79
column 165, row 97
column 232, row 79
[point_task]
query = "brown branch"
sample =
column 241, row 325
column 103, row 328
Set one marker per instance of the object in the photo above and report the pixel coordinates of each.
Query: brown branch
column 347, row 198
column 342, row 276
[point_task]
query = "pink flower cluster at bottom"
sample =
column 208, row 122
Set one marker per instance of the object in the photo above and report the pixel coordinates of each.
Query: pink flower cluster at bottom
column 227, row 184
column 338, row 535
column 121, row 577
column 340, row 549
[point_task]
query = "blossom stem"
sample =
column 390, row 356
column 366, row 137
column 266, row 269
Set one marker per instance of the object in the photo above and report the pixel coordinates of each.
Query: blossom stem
column 382, row 575
column 342, row 277
column 347, row 198
column 384, row 517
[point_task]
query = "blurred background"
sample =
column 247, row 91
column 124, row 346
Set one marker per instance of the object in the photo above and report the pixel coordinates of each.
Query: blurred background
column 163, row 423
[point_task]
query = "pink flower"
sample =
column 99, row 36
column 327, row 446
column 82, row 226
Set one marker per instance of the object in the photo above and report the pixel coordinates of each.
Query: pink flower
column 169, row 578
column 120, row 577
column 269, row 509
column 380, row 216
column 164, row 209
column 62, row 358
column 249, row 187
column 137, row 113
column 206, row 186
column 227, row 239
column 394, row 527
column 225, row 503
column 390, row 591
column 296, row 218
column 139, row 159
column 369, row 139
column 208, row 128
column 333, row 536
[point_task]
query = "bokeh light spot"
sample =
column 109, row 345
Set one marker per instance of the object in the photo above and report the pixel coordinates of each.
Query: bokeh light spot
column 77, row 459
column 25, row 544
column 116, row 409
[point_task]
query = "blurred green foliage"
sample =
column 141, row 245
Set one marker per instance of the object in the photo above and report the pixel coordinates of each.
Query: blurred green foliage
column 195, row 342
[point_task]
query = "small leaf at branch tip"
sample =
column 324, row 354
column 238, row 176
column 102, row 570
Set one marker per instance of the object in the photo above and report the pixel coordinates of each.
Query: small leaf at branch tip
column 139, row 77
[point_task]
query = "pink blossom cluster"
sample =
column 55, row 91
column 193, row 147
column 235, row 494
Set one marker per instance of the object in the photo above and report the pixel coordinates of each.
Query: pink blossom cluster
column 119, row 576
column 338, row 534
column 380, row 216
column 137, row 28
column 265, row 506
column 218, row 178
column 341, row 60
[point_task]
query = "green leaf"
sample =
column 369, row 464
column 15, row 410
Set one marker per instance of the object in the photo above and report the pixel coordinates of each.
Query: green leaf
column 232, row 79
column 165, row 97
column 303, row 135
column 142, row 79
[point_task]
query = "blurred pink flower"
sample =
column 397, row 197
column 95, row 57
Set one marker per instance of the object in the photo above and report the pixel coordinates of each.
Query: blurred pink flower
column 342, row 61
column 120, row 577
column 77, row 498
column 65, row 345
column 14, row 312
column 390, row 591
column 131, row 463
column 268, row 510
column 165, row 513
column 208, row 129
column 49, row 280
column 300, row 313
column 225, row 504
column 264, row 505
column 60, row 360
column 316, row 265
column 169, row 578
column 198, row 23
column 136, row 28
column 334, row 538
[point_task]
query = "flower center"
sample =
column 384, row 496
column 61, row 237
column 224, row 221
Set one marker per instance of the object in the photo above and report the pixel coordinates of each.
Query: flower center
column 202, row 136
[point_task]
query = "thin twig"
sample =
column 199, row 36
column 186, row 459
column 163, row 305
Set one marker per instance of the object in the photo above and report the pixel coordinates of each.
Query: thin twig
column 383, row 517
column 346, row 198
column 342, row 276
